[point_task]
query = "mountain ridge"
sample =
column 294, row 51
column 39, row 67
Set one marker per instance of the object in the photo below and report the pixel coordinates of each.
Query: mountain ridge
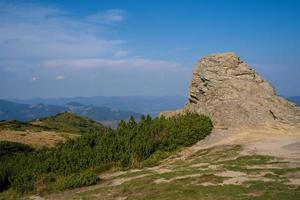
column 152, row 105
column 25, row 112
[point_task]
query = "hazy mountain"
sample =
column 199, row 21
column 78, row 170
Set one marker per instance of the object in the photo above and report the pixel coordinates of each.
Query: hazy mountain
column 295, row 99
column 24, row 112
column 100, row 113
column 141, row 104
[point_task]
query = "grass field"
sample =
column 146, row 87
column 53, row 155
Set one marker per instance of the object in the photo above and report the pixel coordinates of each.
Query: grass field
column 216, row 173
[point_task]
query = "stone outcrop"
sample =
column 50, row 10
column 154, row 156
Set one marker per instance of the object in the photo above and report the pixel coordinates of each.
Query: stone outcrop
column 226, row 89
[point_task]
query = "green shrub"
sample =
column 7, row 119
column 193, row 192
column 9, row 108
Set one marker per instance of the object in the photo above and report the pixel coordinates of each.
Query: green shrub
column 19, row 126
column 131, row 145
column 185, row 130
column 155, row 158
column 80, row 179
column 4, row 178
column 7, row 148
column 71, row 123
column 23, row 182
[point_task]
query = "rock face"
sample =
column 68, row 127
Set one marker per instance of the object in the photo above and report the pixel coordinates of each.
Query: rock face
column 226, row 89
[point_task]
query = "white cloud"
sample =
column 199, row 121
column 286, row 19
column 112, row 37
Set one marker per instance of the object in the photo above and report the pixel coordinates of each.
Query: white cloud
column 33, row 78
column 60, row 77
column 132, row 63
column 121, row 53
column 44, row 40
column 108, row 16
column 39, row 32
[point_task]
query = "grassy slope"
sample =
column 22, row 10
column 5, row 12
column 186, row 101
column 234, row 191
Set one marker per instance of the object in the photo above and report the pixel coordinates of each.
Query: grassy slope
column 64, row 122
column 70, row 123
column 47, row 131
column 217, row 173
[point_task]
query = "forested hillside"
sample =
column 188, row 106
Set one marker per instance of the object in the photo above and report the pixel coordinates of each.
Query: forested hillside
column 24, row 112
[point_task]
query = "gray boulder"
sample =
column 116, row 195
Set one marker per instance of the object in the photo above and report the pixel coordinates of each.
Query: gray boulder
column 229, row 91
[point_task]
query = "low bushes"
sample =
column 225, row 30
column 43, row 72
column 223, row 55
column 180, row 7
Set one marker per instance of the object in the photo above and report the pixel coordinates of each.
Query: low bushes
column 131, row 145
column 80, row 179
column 7, row 148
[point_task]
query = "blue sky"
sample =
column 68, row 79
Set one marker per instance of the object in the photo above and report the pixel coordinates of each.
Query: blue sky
column 68, row 48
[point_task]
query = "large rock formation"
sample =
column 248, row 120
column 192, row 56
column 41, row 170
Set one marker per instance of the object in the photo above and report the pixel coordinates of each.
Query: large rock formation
column 226, row 88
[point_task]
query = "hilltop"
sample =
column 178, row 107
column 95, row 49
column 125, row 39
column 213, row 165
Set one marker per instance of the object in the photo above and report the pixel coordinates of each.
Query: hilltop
column 47, row 131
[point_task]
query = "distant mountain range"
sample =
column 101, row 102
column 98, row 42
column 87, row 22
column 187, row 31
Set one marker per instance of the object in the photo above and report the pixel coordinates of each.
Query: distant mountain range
column 104, row 109
column 25, row 112
column 141, row 104
column 295, row 99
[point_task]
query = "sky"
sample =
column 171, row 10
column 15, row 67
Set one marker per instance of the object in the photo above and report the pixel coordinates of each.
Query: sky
column 67, row 48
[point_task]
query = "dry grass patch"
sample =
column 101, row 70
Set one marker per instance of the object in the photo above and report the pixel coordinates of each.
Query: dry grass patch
column 35, row 139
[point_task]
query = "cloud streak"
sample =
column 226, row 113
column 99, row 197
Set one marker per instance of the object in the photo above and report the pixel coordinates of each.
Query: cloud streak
column 36, row 36
column 121, row 53
column 60, row 77
column 46, row 45
column 36, row 32
column 132, row 63
column 108, row 16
